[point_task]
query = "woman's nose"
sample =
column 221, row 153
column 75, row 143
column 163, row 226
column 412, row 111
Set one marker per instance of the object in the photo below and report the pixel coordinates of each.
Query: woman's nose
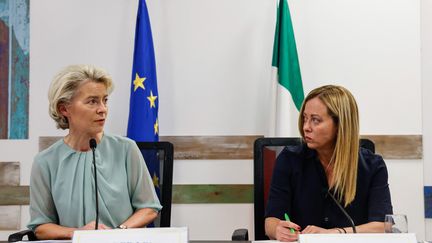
column 306, row 126
column 102, row 108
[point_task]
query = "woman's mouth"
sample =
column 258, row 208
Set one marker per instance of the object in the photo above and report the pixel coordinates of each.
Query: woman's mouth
column 100, row 121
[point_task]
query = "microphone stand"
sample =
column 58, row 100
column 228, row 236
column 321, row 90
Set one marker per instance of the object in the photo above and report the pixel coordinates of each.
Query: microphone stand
column 93, row 148
column 343, row 211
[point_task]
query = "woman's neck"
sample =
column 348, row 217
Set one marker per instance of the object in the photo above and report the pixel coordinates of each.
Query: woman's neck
column 325, row 156
column 80, row 141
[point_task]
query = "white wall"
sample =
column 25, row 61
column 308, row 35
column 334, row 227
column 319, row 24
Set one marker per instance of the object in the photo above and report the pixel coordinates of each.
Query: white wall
column 426, row 45
column 213, row 59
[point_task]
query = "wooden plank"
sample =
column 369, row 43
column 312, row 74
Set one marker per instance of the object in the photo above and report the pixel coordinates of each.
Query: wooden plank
column 197, row 147
column 9, row 174
column 10, row 217
column 241, row 147
column 19, row 195
column 14, row 195
column 212, row 147
column 212, row 194
column 389, row 146
column 398, row 146
column 45, row 142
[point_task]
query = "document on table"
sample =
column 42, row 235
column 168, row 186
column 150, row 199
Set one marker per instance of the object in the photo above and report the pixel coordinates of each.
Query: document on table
column 269, row 241
column 48, row 241
column 142, row 235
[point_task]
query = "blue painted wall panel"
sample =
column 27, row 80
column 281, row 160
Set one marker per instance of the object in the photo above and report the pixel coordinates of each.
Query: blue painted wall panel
column 14, row 81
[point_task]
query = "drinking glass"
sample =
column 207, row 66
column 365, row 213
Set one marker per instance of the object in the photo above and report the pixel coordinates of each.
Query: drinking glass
column 396, row 223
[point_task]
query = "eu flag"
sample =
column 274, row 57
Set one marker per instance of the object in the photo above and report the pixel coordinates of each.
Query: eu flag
column 144, row 99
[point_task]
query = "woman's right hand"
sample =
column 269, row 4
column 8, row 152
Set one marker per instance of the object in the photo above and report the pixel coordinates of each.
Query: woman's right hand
column 50, row 231
column 91, row 226
column 283, row 231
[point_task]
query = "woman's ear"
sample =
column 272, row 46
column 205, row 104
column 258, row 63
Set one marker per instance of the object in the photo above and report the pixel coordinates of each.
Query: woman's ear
column 63, row 109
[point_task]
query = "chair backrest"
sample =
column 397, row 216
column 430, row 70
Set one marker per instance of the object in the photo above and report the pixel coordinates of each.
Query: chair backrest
column 164, row 154
column 266, row 151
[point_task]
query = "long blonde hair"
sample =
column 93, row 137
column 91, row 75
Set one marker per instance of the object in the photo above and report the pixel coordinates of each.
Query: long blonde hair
column 342, row 107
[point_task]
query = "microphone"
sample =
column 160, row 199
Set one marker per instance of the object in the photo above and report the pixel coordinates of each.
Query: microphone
column 93, row 145
column 343, row 211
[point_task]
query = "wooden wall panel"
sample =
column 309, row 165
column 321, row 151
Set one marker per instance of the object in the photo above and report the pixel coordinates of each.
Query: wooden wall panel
column 241, row 147
column 212, row 147
column 45, row 142
column 10, row 211
column 212, row 194
column 14, row 195
column 398, row 146
column 229, row 147
column 227, row 193
column 9, row 174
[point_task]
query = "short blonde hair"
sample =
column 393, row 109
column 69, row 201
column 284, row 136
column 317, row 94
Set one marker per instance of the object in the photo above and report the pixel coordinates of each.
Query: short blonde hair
column 342, row 107
column 65, row 84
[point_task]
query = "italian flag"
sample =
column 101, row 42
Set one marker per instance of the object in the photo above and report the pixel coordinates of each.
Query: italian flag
column 288, row 93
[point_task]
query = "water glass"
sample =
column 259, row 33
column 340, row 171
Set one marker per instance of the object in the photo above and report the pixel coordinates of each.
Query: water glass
column 396, row 223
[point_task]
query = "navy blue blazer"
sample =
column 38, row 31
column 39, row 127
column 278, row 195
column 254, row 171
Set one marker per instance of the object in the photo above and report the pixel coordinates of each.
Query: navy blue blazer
column 299, row 188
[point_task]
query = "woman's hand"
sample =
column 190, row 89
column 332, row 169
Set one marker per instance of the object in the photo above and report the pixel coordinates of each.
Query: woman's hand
column 91, row 226
column 50, row 231
column 283, row 231
column 312, row 229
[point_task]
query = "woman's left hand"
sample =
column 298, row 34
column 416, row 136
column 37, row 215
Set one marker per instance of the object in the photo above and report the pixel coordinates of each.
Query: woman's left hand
column 312, row 229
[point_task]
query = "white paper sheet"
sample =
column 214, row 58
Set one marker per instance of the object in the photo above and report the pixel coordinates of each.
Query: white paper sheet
column 48, row 241
column 143, row 235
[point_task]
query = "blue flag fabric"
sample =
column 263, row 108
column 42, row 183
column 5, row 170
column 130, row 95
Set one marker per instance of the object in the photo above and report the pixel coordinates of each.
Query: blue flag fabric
column 144, row 103
column 144, row 99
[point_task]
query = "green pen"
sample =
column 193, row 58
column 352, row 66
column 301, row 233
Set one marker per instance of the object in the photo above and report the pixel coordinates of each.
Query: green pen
column 288, row 219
